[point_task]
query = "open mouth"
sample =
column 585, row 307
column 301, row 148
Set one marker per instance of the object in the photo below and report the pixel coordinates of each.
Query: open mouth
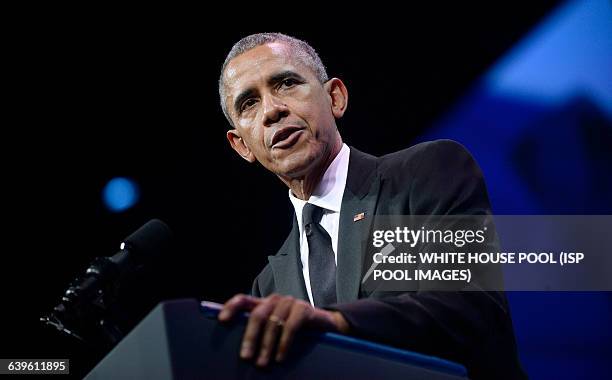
column 286, row 137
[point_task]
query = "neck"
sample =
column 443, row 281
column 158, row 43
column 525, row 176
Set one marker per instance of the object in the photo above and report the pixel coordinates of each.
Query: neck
column 303, row 187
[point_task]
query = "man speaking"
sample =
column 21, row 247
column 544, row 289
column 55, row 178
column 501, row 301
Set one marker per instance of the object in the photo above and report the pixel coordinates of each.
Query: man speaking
column 282, row 108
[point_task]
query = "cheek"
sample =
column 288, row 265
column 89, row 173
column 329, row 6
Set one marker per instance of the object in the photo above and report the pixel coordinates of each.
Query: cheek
column 321, row 107
column 304, row 100
column 256, row 141
column 254, row 137
column 321, row 118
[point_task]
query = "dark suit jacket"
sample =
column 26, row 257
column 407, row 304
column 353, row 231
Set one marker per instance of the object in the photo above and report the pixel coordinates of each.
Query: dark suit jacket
column 433, row 178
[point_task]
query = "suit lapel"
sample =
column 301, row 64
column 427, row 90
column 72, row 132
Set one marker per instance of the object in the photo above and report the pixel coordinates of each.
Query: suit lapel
column 287, row 266
column 360, row 196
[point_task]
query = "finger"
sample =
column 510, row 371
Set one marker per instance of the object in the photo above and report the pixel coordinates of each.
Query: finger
column 257, row 320
column 299, row 313
column 273, row 329
column 239, row 302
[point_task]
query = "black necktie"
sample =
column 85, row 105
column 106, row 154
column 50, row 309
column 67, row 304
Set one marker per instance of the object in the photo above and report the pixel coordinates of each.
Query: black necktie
column 321, row 261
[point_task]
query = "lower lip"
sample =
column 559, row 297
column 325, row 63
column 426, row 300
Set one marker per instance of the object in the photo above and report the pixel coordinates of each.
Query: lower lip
column 289, row 141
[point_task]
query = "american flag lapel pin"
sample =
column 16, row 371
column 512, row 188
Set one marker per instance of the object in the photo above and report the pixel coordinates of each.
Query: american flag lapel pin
column 359, row 217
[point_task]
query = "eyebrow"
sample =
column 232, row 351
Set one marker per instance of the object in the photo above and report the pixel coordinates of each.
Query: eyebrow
column 272, row 80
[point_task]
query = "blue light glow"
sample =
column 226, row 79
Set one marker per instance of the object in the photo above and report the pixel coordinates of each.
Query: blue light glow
column 120, row 194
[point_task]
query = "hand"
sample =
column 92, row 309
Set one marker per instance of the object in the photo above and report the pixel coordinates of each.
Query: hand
column 276, row 316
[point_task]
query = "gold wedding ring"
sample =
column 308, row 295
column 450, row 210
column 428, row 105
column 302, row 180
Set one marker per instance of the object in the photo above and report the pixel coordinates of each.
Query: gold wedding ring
column 276, row 320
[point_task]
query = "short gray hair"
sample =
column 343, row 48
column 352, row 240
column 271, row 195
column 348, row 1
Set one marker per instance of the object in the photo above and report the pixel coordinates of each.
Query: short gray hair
column 302, row 49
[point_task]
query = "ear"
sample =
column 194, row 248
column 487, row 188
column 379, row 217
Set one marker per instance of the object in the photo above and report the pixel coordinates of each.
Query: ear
column 339, row 96
column 238, row 144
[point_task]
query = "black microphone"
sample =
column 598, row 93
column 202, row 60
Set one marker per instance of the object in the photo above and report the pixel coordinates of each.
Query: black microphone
column 145, row 245
column 85, row 303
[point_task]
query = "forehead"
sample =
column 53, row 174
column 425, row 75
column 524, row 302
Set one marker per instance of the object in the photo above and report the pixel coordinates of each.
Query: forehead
column 255, row 65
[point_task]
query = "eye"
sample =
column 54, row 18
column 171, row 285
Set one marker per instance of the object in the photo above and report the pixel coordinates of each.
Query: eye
column 247, row 104
column 289, row 82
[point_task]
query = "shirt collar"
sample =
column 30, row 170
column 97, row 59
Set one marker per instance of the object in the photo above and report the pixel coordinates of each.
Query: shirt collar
column 328, row 193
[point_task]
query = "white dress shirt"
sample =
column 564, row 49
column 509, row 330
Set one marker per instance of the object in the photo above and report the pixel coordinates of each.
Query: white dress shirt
column 327, row 195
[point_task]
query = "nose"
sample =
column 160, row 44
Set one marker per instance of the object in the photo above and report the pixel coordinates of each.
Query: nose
column 273, row 109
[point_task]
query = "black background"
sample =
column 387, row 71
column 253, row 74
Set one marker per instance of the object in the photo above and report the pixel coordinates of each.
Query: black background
column 111, row 93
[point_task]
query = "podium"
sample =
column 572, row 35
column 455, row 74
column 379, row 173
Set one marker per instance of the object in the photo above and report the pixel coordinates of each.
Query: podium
column 182, row 339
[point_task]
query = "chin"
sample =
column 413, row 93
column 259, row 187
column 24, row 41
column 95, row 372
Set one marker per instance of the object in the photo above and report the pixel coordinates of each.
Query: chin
column 297, row 164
